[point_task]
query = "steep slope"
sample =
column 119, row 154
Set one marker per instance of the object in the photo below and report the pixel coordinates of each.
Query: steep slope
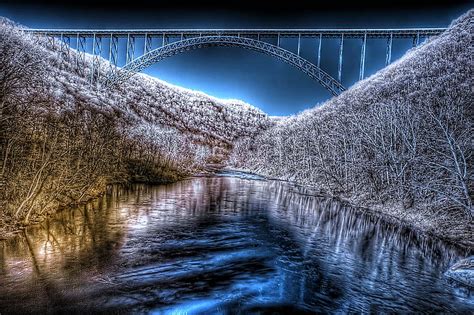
column 400, row 142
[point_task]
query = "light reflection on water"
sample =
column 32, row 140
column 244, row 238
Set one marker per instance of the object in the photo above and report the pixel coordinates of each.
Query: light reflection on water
column 224, row 245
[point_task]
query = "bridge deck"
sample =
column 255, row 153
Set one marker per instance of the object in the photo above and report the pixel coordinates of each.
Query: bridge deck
column 327, row 33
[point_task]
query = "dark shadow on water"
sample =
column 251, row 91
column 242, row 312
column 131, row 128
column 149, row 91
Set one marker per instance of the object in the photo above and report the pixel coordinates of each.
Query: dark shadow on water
column 228, row 244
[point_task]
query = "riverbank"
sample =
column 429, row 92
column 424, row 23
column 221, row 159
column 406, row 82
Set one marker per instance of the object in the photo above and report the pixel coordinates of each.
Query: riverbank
column 9, row 227
column 422, row 220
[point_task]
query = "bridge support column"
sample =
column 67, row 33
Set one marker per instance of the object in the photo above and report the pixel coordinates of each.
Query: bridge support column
column 96, row 52
column 81, row 53
column 67, row 41
column 51, row 42
column 416, row 40
column 388, row 57
column 147, row 44
column 319, row 49
column 339, row 70
column 362, row 57
column 130, row 53
column 299, row 44
column 61, row 44
column 91, row 79
column 65, row 45
column 113, row 49
column 59, row 53
column 278, row 40
column 113, row 53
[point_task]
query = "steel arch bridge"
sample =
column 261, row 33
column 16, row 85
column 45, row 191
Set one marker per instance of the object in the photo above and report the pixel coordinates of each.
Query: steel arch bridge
column 314, row 72
column 105, row 44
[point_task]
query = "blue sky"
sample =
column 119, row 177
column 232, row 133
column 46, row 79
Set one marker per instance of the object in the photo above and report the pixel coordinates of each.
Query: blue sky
column 273, row 86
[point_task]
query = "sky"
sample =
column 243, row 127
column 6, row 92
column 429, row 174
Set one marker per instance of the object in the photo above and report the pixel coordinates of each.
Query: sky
column 265, row 82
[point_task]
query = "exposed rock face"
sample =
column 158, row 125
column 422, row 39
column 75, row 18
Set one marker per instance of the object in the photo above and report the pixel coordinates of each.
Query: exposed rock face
column 463, row 271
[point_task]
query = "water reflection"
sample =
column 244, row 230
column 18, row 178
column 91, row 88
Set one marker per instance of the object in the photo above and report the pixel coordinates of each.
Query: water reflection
column 224, row 245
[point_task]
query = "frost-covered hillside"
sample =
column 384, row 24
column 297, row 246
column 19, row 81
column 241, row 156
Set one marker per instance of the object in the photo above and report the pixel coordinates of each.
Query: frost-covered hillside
column 400, row 141
column 209, row 120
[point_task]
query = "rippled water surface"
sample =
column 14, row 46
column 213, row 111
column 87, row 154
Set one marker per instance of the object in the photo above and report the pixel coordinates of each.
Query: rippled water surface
column 224, row 244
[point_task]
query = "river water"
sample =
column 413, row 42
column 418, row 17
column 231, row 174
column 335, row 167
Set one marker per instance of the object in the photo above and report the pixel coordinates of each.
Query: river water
column 224, row 244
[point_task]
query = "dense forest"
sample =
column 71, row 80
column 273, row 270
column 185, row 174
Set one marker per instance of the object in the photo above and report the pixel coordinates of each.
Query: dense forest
column 62, row 141
column 399, row 142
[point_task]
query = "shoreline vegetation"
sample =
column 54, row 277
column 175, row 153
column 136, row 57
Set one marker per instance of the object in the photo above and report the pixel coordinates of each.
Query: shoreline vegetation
column 397, row 145
column 386, row 213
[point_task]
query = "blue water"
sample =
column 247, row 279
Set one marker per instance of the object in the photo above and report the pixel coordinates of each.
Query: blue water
column 225, row 244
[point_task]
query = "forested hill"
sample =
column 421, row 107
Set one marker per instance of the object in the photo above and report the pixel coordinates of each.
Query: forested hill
column 142, row 98
column 400, row 141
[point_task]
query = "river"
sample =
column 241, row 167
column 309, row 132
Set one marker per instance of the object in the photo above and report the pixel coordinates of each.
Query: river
column 224, row 244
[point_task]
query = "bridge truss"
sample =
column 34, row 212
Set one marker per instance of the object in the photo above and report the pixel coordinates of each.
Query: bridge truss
column 105, row 44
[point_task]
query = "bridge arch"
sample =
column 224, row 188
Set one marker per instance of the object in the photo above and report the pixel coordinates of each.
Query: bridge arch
column 158, row 54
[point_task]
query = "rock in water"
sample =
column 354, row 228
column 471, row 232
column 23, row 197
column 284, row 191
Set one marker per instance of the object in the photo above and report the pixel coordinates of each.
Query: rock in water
column 463, row 271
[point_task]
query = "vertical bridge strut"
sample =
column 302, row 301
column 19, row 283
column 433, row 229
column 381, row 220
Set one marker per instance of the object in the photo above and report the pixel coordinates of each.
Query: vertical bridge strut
column 362, row 57
column 259, row 36
column 81, row 53
column 339, row 68
column 96, row 54
column 319, row 49
column 388, row 58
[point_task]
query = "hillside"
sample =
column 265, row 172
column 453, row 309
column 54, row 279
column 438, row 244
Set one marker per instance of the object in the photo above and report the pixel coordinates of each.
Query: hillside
column 62, row 141
column 399, row 142
column 150, row 99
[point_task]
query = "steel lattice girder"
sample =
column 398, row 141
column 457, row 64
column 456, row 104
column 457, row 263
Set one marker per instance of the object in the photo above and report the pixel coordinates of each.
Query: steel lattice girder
column 158, row 54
